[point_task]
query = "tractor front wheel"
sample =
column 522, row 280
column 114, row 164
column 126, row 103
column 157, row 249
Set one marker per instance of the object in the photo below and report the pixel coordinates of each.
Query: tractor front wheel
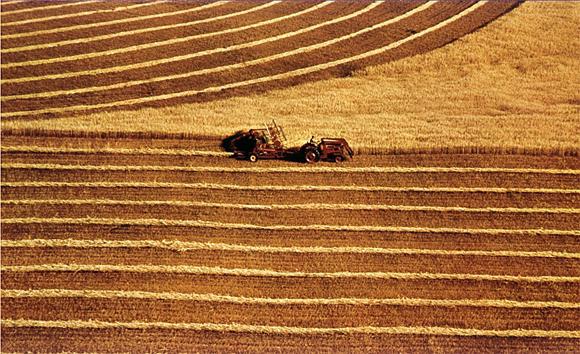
column 253, row 158
column 339, row 159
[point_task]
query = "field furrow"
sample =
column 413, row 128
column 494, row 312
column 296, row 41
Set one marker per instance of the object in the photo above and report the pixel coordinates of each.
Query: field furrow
column 150, row 11
column 55, row 12
column 159, row 340
column 418, row 196
column 116, row 240
column 168, row 88
column 248, row 286
column 295, row 315
column 163, row 32
column 288, row 238
column 247, row 68
column 298, row 262
column 414, row 181
column 275, row 21
column 301, row 216
column 57, row 55
column 303, row 15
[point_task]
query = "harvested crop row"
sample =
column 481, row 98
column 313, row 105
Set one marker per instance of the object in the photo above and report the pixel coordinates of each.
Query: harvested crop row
column 272, row 25
column 289, row 169
column 24, row 39
column 387, row 179
column 295, row 315
column 58, row 25
column 249, row 286
column 237, row 328
column 299, row 262
column 268, row 273
column 176, row 340
column 179, row 58
column 250, row 68
column 143, row 14
column 306, row 206
column 176, row 296
column 495, row 9
column 168, row 33
column 297, row 228
column 332, row 216
column 107, row 150
column 188, row 246
column 454, row 197
column 208, row 155
column 63, row 53
column 48, row 7
column 83, row 8
column 289, row 238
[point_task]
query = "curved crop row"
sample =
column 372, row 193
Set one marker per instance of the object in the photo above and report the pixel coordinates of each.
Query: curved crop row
column 48, row 7
column 133, row 48
column 125, row 89
column 69, row 15
column 251, row 82
column 111, row 22
column 146, row 62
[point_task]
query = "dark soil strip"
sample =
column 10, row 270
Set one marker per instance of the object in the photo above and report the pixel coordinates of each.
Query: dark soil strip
column 123, row 310
column 291, row 262
column 565, row 243
column 295, row 287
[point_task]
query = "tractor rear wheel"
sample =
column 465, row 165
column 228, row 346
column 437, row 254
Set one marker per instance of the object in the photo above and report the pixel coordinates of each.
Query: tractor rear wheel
column 311, row 156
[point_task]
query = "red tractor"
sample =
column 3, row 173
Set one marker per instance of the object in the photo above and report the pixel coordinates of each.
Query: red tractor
column 267, row 143
column 328, row 149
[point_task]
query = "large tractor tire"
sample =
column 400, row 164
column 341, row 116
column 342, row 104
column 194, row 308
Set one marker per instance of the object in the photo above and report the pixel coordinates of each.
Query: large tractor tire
column 311, row 156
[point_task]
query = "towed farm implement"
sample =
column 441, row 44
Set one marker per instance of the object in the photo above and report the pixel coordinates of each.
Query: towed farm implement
column 268, row 143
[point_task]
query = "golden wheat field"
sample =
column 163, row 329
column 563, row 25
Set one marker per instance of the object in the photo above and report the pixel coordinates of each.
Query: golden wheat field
column 127, row 227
